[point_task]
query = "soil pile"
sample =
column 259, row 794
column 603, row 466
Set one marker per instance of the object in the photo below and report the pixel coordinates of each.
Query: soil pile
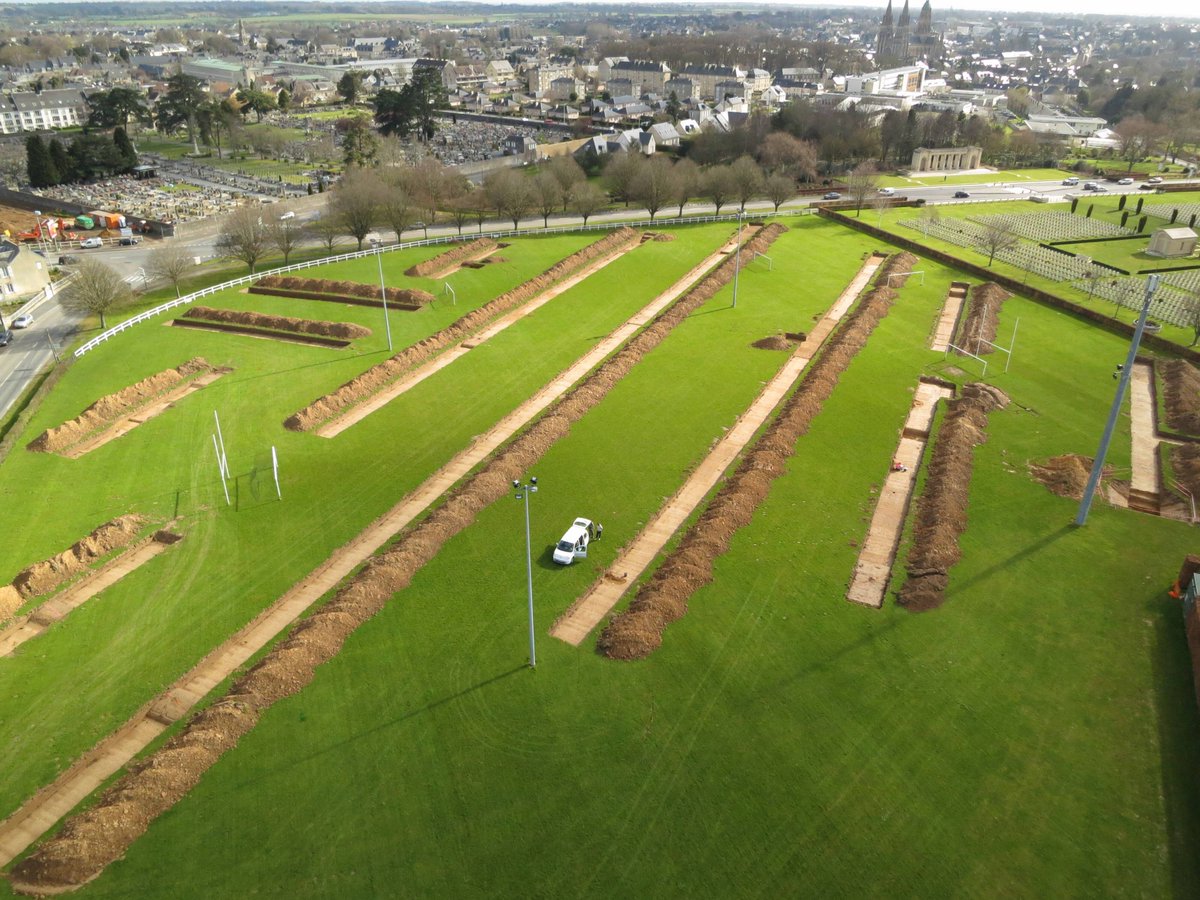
column 380, row 376
column 779, row 341
column 983, row 312
column 92, row 839
column 452, row 258
column 43, row 577
column 347, row 330
column 1185, row 463
column 115, row 406
column 637, row 632
column 942, row 510
column 338, row 291
column 1181, row 395
column 1065, row 475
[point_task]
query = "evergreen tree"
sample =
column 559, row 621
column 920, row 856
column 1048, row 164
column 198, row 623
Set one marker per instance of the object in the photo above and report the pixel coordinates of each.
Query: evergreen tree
column 63, row 164
column 125, row 148
column 38, row 163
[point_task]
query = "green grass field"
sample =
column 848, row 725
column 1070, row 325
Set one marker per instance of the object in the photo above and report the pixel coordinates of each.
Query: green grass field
column 1036, row 736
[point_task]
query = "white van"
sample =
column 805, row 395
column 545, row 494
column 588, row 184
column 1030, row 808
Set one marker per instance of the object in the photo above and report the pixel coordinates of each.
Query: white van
column 574, row 543
column 91, row 243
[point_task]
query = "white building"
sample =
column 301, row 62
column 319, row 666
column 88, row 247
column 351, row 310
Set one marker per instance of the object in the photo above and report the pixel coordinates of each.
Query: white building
column 42, row 112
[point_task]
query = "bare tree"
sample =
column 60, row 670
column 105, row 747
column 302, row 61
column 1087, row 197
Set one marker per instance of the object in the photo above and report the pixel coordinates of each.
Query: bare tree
column 1138, row 137
column 748, row 178
column 620, row 172
column 861, row 184
column 285, row 233
column 653, row 185
column 548, row 194
column 326, row 231
column 510, row 193
column 243, row 236
column 355, row 203
column 929, row 217
column 687, row 183
column 397, row 206
column 1191, row 316
column 95, row 289
column 569, row 175
column 782, row 152
column 429, row 182
column 720, row 186
column 587, row 199
column 996, row 237
column 779, row 189
column 170, row 263
column 461, row 209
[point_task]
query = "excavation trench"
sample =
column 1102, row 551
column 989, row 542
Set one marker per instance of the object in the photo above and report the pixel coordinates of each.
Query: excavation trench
column 92, row 839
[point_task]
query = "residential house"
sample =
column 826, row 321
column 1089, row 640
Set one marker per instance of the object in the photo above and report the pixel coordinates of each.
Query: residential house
column 665, row 135
column 500, row 70
column 22, row 270
column 705, row 77
column 646, row 76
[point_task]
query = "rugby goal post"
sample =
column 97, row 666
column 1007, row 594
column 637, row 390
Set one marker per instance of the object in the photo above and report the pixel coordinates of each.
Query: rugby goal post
column 920, row 272
column 448, row 289
column 275, row 471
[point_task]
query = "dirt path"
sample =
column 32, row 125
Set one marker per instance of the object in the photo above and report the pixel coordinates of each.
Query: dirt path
column 454, row 267
column 878, row 554
column 588, row 611
column 54, row 609
column 51, row 803
column 126, row 424
column 381, row 399
column 948, row 320
column 1143, row 427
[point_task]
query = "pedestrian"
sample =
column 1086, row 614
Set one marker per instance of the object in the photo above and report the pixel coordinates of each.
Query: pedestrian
column 599, row 531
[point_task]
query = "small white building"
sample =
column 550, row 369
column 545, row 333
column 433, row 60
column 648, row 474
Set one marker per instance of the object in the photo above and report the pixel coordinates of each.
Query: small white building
column 1172, row 242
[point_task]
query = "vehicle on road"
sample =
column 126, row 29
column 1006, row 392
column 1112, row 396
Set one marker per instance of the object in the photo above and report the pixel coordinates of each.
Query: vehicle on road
column 1090, row 186
column 832, row 195
column 574, row 543
column 1125, row 181
column 1100, row 189
column 961, row 195
column 1070, row 182
column 1154, row 179
column 128, row 242
column 5, row 338
column 22, row 321
column 887, row 192
column 91, row 243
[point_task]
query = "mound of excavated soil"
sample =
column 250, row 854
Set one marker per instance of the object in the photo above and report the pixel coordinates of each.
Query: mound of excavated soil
column 1065, row 475
column 345, row 330
column 380, row 376
column 983, row 312
column 942, row 509
column 1185, row 463
column 92, row 839
column 778, row 342
column 115, row 406
column 1181, row 395
column 43, row 577
column 338, row 291
column 637, row 632
column 451, row 258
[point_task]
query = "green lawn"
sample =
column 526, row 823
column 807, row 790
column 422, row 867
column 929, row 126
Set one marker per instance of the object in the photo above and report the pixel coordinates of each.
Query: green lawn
column 1036, row 736
column 1015, row 176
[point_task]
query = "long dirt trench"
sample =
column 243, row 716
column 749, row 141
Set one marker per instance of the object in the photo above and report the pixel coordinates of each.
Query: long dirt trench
column 874, row 567
column 381, row 399
column 604, row 594
column 1143, row 432
column 45, row 808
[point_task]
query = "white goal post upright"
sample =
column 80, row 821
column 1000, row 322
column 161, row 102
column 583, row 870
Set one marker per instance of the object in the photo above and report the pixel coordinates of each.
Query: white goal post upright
column 275, row 471
column 447, row 289
column 221, row 470
column 920, row 272
column 967, row 352
column 1007, row 351
column 222, row 459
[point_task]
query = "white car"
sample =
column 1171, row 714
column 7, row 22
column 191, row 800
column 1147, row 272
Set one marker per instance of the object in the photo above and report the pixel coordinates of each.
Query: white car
column 1071, row 182
column 1154, row 179
column 1125, row 181
column 574, row 543
column 887, row 192
column 91, row 243
column 22, row 321
column 290, row 214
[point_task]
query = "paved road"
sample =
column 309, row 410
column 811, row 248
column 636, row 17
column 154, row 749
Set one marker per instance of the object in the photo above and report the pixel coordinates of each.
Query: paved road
column 30, row 350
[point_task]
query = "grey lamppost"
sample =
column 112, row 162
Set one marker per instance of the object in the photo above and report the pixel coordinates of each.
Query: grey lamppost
column 523, row 492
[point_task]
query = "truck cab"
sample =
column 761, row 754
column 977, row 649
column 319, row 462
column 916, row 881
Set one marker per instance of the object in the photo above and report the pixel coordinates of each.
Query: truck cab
column 574, row 542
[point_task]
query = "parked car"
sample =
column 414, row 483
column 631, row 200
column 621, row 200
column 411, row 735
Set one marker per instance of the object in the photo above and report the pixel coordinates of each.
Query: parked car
column 128, row 242
column 1090, row 186
column 91, row 243
column 66, row 259
column 22, row 321
column 290, row 214
column 887, row 192
column 961, row 195
column 1125, row 181
column 574, row 543
column 832, row 195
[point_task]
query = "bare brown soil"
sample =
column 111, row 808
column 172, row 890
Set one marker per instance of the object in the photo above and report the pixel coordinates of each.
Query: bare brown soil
column 444, row 263
column 1181, row 395
column 983, row 312
column 97, row 836
column 779, row 341
column 113, row 407
column 637, row 632
column 45, row 576
column 355, row 292
column 1065, row 475
column 380, row 376
column 942, row 509
column 344, row 330
column 1185, row 462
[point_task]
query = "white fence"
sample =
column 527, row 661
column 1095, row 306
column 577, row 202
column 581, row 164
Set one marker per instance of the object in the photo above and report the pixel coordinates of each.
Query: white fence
column 445, row 239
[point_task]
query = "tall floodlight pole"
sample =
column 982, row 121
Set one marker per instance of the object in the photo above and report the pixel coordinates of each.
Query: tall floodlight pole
column 737, row 259
column 523, row 492
column 387, row 326
column 1125, row 374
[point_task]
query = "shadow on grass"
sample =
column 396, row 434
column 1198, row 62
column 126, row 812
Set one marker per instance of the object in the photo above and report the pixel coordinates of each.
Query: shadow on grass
column 1179, row 742
column 313, row 365
column 1037, row 546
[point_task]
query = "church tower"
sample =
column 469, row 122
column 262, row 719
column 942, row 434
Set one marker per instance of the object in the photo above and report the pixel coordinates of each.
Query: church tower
column 903, row 30
column 883, row 45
